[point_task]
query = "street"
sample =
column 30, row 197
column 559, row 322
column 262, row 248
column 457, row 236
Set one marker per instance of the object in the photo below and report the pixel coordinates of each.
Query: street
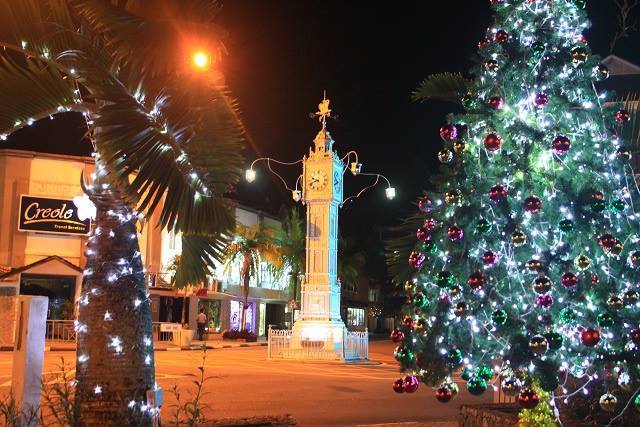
column 243, row 383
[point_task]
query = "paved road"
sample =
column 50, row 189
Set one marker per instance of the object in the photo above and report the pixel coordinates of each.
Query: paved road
column 244, row 383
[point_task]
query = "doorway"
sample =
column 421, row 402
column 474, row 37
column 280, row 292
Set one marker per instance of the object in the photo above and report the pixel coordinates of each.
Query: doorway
column 59, row 289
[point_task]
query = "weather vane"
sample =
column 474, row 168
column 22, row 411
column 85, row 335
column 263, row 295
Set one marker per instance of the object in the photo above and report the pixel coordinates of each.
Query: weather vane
column 323, row 111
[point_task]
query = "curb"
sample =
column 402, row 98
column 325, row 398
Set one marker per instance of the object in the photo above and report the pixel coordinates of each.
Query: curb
column 192, row 348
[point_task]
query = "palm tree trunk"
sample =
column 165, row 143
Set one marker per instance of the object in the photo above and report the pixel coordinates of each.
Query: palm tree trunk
column 115, row 360
column 184, row 308
column 245, row 297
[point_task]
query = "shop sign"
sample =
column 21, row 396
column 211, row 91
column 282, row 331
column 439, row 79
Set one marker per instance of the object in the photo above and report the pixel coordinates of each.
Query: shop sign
column 170, row 327
column 51, row 215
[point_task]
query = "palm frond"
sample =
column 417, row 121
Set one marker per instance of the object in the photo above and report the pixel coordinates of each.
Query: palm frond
column 399, row 244
column 450, row 87
column 198, row 254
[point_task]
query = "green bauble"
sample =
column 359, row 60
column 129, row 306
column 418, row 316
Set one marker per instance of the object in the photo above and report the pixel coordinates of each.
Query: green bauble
column 499, row 317
column 403, row 354
column 427, row 247
column 483, row 226
column 445, row 279
column 454, row 357
column 470, row 101
column 466, row 374
column 618, row 205
column 566, row 225
column 605, row 320
column 537, row 48
column 484, row 372
column 598, row 205
column 580, row 3
column 420, row 300
column 476, row 386
column 636, row 403
column 554, row 339
column 567, row 315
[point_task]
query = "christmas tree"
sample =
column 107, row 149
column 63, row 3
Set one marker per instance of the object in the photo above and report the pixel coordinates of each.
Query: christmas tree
column 526, row 268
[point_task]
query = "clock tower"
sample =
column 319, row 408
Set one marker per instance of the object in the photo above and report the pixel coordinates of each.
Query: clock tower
column 322, row 180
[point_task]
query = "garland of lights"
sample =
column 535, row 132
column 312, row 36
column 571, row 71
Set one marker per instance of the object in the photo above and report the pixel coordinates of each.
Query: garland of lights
column 528, row 263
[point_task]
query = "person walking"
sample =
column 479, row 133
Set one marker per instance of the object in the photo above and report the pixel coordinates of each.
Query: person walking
column 201, row 320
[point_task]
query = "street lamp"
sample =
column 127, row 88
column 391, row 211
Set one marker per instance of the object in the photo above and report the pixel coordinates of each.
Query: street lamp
column 201, row 60
column 250, row 175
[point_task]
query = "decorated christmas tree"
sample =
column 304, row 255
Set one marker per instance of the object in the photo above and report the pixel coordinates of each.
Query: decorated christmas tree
column 527, row 265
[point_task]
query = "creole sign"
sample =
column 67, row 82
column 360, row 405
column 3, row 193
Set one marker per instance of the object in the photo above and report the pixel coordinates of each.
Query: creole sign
column 50, row 215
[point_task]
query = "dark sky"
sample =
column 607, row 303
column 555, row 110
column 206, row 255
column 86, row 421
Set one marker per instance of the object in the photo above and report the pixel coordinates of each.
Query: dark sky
column 368, row 56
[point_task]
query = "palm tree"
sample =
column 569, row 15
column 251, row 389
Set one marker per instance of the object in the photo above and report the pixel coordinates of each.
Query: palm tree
column 251, row 246
column 351, row 262
column 290, row 239
column 166, row 139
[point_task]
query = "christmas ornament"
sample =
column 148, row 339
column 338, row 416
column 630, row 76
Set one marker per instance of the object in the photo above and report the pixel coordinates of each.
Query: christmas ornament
column 634, row 336
column 477, row 281
column 423, row 234
column 484, row 372
column 410, row 384
column 416, row 260
column 398, row 386
column 618, row 206
column 460, row 309
column 403, row 354
column 560, row 145
column 483, row 226
column 470, row 101
column 554, row 339
column 448, row 132
column 579, row 55
column 542, row 285
column 455, row 291
column 544, row 301
column 569, row 280
column 445, row 279
column 634, row 259
column 499, row 317
column 454, row 357
column 567, row 315
column 489, row 258
column 622, row 116
column 427, row 247
column 518, row 238
column 445, row 156
column 631, row 297
column 590, row 337
column 459, row 146
column 541, row 100
column 582, row 262
column 532, row 204
column 510, row 386
column 430, row 224
column 455, row 233
column 615, row 303
column 501, row 36
column 483, row 42
column 537, row 48
column 528, row 398
column 492, row 142
column 496, row 102
column 566, row 225
column 604, row 320
column 580, row 3
column 425, row 205
column 595, row 279
column 466, row 374
column 636, row 402
column 421, row 326
column 409, row 286
column 420, row 300
column 451, row 197
column 624, row 154
column 538, row 345
column 476, row 386
column 491, row 65
column 397, row 335
column 608, row 402
column 498, row 193
column 607, row 241
column 444, row 394
column 534, row 265
column 407, row 321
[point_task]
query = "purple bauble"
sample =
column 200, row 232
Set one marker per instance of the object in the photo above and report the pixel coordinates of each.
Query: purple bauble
column 425, row 205
column 422, row 234
column 410, row 384
column 430, row 224
column 448, row 132
column 544, row 301
column 541, row 100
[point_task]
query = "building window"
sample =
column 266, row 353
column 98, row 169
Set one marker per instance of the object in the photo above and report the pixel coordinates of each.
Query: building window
column 212, row 311
column 355, row 316
column 236, row 316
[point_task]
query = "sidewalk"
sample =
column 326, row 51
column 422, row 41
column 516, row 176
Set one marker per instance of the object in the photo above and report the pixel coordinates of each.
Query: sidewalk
column 161, row 345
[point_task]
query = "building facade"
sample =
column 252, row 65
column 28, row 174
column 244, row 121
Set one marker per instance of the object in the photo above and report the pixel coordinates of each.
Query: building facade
column 43, row 232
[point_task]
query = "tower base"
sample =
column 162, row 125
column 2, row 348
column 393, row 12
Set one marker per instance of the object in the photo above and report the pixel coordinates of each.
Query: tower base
column 319, row 339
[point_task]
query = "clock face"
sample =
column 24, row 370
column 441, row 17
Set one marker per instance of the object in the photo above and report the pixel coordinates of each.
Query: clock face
column 317, row 180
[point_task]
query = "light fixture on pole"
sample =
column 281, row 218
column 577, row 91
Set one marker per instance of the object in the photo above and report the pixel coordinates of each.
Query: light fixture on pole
column 250, row 175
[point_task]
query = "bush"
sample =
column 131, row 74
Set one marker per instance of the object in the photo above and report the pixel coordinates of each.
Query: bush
column 243, row 334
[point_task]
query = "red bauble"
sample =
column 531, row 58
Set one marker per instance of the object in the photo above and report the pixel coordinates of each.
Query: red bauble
column 455, row 233
column 595, row 279
column 407, row 321
column 635, row 336
column 397, row 336
column 622, row 116
column 607, row 241
column 416, row 259
column 501, row 36
column 544, row 301
column 532, row 204
column 489, row 258
column 569, row 280
column 492, row 142
column 496, row 102
column 477, row 280
column 448, row 132
column 498, row 193
column 430, row 224
column 590, row 337
column 482, row 43
column 541, row 100
column 422, row 234
column 444, row 394
column 410, row 384
column 398, row 386
column 528, row 398
column 561, row 145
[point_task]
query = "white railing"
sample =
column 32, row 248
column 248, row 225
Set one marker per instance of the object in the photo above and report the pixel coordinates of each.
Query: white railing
column 350, row 346
column 61, row 330
column 159, row 335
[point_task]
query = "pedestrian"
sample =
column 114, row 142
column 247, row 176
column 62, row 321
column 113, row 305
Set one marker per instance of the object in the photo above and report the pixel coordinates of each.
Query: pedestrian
column 201, row 320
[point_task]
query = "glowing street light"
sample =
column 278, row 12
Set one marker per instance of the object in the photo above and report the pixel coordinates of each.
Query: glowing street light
column 390, row 192
column 250, row 175
column 201, row 60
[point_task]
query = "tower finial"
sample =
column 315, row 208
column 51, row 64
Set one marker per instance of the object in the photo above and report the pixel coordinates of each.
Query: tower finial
column 323, row 110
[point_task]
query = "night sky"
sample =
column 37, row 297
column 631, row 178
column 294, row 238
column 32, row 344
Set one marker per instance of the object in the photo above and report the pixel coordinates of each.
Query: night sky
column 368, row 56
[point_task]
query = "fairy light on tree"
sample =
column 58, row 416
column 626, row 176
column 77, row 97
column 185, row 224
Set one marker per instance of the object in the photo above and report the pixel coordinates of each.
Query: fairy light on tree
column 527, row 266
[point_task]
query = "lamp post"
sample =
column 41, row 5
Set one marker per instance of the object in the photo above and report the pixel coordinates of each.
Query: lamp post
column 320, row 188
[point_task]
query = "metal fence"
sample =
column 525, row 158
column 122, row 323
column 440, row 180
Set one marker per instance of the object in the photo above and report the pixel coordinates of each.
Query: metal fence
column 159, row 335
column 60, row 330
column 350, row 346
